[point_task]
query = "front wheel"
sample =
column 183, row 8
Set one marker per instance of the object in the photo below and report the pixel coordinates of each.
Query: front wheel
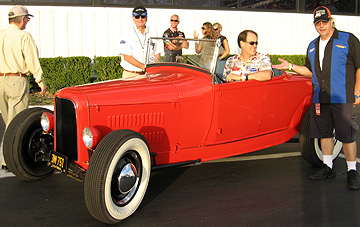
column 26, row 147
column 310, row 147
column 117, row 176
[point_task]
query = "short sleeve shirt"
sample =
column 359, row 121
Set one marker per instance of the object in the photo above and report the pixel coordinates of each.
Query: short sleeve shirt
column 171, row 33
column 335, row 82
column 258, row 62
column 135, row 43
column 207, row 50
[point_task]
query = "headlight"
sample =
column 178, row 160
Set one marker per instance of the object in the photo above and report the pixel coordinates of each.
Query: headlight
column 91, row 137
column 47, row 122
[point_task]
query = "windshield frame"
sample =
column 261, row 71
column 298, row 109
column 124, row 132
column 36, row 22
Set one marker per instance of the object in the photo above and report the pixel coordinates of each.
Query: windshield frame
column 213, row 62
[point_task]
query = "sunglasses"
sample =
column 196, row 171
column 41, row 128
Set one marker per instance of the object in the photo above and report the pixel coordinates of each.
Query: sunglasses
column 174, row 20
column 216, row 29
column 252, row 43
column 137, row 16
column 203, row 28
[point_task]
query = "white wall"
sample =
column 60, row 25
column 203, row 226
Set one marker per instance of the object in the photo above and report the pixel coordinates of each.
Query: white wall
column 96, row 31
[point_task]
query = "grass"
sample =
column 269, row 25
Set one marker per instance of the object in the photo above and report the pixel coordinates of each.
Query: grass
column 38, row 99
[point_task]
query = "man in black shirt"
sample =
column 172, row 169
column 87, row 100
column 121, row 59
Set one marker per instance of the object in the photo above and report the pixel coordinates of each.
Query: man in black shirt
column 173, row 48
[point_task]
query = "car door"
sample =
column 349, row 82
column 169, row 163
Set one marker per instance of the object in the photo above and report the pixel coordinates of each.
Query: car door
column 285, row 97
column 240, row 110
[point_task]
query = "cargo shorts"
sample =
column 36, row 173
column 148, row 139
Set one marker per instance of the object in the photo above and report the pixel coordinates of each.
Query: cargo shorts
column 338, row 116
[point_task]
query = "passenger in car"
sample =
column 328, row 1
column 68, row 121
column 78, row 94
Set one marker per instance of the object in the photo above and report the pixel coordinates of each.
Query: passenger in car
column 249, row 65
column 205, row 48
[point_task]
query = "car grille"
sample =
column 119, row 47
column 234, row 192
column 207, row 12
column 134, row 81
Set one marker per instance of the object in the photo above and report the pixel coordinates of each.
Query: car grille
column 66, row 134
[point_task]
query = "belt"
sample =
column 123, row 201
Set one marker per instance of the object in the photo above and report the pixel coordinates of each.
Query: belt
column 137, row 72
column 13, row 74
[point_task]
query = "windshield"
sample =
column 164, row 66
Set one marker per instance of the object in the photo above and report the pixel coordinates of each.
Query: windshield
column 202, row 53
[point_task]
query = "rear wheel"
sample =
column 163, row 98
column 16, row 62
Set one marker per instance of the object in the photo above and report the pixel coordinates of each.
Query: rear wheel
column 311, row 148
column 27, row 147
column 118, row 176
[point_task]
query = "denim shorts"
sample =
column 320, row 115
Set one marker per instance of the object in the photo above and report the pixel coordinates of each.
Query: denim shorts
column 338, row 116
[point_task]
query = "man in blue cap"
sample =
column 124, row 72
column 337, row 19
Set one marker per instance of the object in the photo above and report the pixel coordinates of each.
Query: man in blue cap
column 133, row 45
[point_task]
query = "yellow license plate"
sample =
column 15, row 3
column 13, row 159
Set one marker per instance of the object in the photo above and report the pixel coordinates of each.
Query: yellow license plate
column 58, row 162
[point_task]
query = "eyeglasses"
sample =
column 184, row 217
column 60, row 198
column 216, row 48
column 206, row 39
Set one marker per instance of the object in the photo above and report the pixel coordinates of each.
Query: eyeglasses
column 174, row 20
column 27, row 18
column 203, row 28
column 137, row 16
column 252, row 43
column 318, row 24
column 216, row 29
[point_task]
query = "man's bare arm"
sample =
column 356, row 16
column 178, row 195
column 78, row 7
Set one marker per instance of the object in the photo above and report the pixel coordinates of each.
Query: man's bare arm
column 134, row 62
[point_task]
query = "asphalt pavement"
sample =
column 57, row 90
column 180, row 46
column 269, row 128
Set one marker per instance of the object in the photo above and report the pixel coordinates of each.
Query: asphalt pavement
column 269, row 187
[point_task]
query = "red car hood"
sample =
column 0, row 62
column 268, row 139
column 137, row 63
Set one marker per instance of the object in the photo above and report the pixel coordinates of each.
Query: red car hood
column 161, row 84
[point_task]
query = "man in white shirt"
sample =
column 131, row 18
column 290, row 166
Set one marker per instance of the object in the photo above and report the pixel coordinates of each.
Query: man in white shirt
column 133, row 45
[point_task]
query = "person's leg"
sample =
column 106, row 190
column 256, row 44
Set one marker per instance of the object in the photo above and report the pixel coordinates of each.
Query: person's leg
column 3, row 163
column 350, row 151
column 345, row 129
column 16, row 93
column 4, row 114
column 321, row 126
column 3, row 100
column 327, row 147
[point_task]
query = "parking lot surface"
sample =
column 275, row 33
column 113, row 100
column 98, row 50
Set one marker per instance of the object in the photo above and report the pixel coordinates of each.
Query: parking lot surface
column 264, row 188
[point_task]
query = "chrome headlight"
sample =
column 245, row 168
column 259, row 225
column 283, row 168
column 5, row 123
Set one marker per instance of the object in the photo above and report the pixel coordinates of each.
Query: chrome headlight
column 91, row 137
column 47, row 122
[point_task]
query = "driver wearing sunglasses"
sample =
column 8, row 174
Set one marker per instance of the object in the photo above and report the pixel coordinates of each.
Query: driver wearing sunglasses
column 250, row 64
column 133, row 45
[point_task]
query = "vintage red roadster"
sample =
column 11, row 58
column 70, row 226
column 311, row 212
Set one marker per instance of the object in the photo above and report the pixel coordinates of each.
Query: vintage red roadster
column 112, row 134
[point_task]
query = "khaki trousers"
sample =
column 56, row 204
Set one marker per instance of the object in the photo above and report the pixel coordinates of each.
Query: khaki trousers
column 127, row 74
column 14, row 98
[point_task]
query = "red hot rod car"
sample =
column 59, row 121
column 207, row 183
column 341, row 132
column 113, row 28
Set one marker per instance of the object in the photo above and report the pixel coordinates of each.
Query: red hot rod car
column 112, row 134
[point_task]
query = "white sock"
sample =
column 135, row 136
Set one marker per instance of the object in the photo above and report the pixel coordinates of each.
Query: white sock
column 327, row 159
column 351, row 165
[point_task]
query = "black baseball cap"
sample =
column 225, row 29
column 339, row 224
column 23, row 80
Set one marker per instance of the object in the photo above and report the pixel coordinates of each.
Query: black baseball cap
column 322, row 13
column 139, row 10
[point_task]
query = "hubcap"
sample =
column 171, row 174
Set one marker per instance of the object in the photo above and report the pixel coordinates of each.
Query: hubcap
column 127, row 178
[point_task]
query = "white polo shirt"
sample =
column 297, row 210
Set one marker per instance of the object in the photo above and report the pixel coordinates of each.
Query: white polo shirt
column 134, row 43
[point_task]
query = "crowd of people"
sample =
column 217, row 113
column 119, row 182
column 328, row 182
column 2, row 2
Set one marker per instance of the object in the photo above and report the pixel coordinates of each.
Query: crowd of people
column 332, row 63
column 237, row 68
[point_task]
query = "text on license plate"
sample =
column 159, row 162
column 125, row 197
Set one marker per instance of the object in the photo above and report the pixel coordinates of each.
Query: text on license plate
column 58, row 162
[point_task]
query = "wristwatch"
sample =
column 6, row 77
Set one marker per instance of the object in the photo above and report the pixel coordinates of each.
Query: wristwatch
column 291, row 66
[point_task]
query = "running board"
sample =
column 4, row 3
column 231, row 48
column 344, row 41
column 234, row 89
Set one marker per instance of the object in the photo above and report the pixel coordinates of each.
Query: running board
column 192, row 162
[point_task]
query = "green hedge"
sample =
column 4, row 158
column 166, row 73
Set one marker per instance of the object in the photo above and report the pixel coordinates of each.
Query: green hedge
column 70, row 71
column 107, row 68
column 64, row 72
column 295, row 59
